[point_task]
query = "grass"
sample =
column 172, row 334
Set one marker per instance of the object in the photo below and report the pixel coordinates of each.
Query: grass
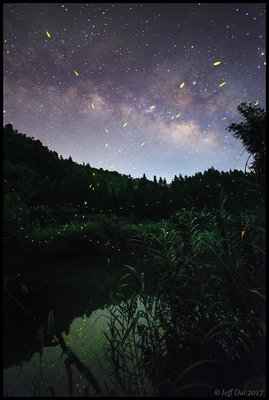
column 203, row 329
column 198, row 324
column 84, row 234
column 70, row 233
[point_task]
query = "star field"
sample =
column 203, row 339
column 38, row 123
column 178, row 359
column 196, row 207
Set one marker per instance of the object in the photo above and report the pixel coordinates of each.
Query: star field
column 133, row 87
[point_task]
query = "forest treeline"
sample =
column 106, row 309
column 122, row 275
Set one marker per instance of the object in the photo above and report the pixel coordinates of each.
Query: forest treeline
column 35, row 176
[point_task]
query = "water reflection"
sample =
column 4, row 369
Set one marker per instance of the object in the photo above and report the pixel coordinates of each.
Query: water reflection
column 77, row 291
column 46, row 375
column 70, row 288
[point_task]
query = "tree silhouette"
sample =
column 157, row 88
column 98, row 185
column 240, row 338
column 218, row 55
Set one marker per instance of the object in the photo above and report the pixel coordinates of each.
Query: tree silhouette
column 252, row 133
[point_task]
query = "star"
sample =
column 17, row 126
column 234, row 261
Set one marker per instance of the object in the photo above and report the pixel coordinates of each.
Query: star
column 78, row 75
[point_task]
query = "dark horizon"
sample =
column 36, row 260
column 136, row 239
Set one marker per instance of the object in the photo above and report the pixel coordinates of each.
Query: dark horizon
column 138, row 177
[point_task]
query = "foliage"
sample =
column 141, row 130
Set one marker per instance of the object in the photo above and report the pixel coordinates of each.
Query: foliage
column 94, row 234
column 252, row 133
column 205, row 319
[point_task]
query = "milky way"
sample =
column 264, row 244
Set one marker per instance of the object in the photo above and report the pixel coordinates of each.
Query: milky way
column 134, row 87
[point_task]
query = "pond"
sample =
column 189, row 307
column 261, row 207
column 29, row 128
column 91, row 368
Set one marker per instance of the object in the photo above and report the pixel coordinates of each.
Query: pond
column 77, row 291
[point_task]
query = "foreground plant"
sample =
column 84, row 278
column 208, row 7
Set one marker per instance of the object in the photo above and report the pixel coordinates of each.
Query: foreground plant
column 205, row 320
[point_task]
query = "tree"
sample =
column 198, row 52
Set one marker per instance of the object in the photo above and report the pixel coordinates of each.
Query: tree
column 252, row 133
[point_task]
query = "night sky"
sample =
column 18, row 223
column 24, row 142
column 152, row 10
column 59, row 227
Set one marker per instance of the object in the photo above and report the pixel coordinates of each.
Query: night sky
column 132, row 87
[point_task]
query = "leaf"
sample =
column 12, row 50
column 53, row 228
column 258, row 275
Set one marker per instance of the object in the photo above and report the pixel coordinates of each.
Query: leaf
column 261, row 295
column 132, row 325
column 143, row 281
column 24, row 289
column 120, row 295
column 107, row 388
column 69, row 376
column 40, row 335
column 191, row 367
column 216, row 329
column 61, row 341
column 124, row 285
column 51, row 329
column 85, row 371
column 125, row 276
column 141, row 329
column 134, row 273
column 34, row 387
